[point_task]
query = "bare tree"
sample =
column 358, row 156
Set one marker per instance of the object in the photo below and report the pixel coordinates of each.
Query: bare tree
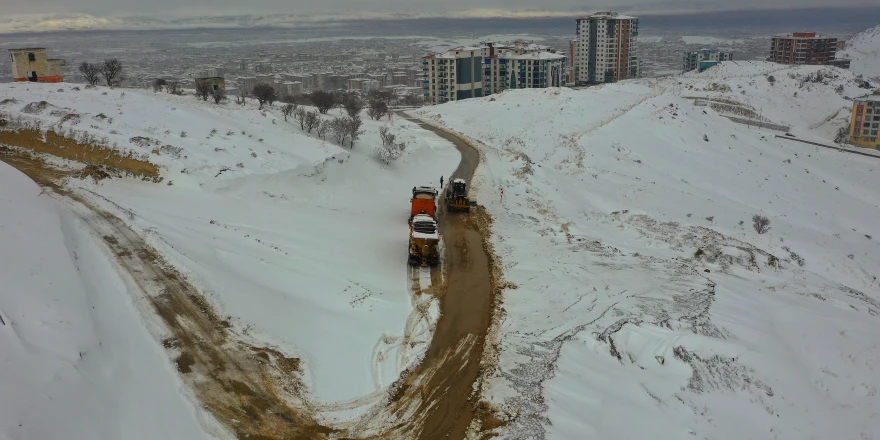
column 203, row 90
column 300, row 116
column 353, row 104
column 91, row 72
column 388, row 138
column 323, row 100
column 112, row 71
column 322, row 129
column 218, row 95
column 265, row 94
column 377, row 109
column 312, row 120
column 173, row 87
column 287, row 110
column 353, row 129
column 760, row 223
column 158, row 84
column 241, row 96
column 340, row 130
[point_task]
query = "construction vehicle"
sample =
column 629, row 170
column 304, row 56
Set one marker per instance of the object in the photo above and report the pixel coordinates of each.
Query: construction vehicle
column 424, row 240
column 456, row 197
column 423, row 202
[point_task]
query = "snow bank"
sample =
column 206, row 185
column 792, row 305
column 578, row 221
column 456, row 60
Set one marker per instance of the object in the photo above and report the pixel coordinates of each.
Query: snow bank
column 647, row 306
column 302, row 243
column 76, row 358
column 864, row 51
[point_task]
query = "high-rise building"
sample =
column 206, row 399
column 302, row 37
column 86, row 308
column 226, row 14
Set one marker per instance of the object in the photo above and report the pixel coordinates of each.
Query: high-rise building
column 865, row 121
column 803, row 48
column 453, row 75
column 703, row 59
column 605, row 49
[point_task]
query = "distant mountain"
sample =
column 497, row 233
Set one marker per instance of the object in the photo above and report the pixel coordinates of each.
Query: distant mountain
column 864, row 51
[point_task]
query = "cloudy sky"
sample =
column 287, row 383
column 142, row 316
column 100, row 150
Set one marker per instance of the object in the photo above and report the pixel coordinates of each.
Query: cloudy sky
column 405, row 7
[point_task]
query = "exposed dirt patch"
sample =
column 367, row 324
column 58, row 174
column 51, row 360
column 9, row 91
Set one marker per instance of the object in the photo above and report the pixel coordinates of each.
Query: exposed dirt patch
column 256, row 392
column 70, row 149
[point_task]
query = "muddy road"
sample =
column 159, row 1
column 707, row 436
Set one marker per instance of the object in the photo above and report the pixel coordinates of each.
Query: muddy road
column 254, row 391
column 441, row 391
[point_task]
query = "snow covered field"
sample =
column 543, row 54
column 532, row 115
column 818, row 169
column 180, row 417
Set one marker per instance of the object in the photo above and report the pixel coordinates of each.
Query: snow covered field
column 646, row 304
column 863, row 49
column 302, row 243
column 76, row 358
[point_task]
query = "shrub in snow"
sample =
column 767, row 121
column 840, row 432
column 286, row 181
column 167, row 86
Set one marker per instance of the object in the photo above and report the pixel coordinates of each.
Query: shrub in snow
column 389, row 152
column 265, row 94
column 311, row 121
column 386, row 135
column 760, row 223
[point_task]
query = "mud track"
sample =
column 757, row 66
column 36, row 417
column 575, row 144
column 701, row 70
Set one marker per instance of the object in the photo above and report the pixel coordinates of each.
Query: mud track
column 440, row 399
column 254, row 391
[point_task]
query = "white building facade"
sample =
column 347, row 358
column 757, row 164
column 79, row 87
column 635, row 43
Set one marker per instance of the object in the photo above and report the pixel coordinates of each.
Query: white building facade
column 703, row 59
column 453, row 75
column 605, row 48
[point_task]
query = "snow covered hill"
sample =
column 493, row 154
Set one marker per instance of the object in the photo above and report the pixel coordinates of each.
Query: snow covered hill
column 646, row 305
column 864, row 51
column 75, row 358
column 300, row 242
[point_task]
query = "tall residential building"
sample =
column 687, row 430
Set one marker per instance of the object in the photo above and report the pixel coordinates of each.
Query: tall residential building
column 865, row 121
column 803, row 48
column 605, row 49
column 453, row 75
column 703, row 59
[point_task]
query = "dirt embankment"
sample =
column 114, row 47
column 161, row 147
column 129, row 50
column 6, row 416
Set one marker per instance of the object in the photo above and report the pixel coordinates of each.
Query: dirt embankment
column 70, row 149
column 256, row 392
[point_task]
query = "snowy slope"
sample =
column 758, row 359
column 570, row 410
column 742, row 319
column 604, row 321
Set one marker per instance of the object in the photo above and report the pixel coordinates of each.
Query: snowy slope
column 302, row 243
column 646, row 305
column 864, row 51
column 75, row 357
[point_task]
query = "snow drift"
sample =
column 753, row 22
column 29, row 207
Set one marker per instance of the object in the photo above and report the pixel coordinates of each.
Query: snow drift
column 646, row 304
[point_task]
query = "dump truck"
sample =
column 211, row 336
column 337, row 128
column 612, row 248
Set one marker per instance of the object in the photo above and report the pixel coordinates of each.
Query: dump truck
column 456, row 197
column 424, row 241
column 423, row 202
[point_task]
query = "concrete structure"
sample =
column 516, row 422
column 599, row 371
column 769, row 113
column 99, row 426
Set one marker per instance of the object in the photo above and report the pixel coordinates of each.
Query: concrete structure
column 703, row 59
column 865, row 121
column 453, row 75
column 32, row 64
column 291, row 88
column 605, row 49
column 802, row 48
column 215, row 82
column 843, row 63
column 521, row 65
column 246, row 83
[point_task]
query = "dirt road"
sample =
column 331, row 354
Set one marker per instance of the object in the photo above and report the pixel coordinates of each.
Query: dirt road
column 441, row 392
column 254, row 391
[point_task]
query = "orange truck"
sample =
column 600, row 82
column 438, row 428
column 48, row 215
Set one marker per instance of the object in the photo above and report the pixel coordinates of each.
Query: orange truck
column 423, row 202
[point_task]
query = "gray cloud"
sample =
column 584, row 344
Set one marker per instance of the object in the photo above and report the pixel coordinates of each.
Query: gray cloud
column 379, row 7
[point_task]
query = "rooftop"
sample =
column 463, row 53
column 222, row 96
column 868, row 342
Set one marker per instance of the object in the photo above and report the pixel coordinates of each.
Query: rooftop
column 802, row 36
column 608, row 16
column 536, row 56
column 27, row 48
column 870, row 97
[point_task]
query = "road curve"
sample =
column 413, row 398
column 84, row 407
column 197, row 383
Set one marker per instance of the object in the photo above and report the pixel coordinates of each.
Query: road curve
column 444, row 381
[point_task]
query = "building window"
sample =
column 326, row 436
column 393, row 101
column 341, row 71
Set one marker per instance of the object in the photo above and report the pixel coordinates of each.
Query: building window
column 32, row 57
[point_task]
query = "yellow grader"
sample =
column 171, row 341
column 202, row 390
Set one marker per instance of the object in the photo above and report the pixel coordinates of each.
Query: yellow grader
column 424, row 240
column 456, row 197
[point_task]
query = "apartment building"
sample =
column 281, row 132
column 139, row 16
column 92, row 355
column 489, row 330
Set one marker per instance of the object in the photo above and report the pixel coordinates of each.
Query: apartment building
column 865, row 121
column 453, row 75
column 802, row 48
column 703, row 59
column 605, row 48
column 521, row 65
